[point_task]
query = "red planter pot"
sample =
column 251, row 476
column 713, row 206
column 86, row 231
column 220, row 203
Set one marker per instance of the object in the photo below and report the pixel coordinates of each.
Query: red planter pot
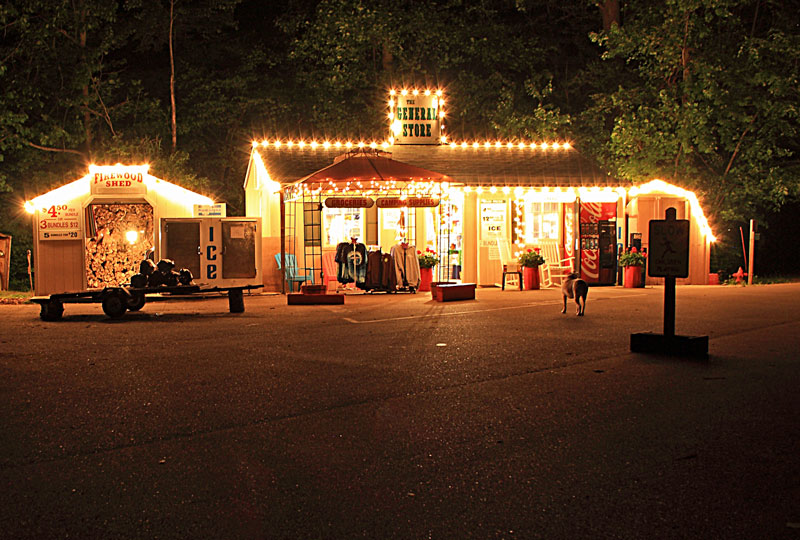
column 425, row 279
column 633, row 277
column 530, row 278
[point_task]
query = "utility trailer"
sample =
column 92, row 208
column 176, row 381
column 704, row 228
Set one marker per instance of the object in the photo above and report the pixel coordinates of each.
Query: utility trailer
column 117, row 300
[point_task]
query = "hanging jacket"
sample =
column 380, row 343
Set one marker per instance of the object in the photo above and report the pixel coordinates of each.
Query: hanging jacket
column 373, row 279
column 352, row 259
column 388, row 273
column 342, row 272
column 406, row 265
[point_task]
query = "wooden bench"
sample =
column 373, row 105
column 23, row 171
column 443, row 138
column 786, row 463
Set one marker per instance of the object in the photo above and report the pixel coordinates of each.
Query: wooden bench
column 446, row 292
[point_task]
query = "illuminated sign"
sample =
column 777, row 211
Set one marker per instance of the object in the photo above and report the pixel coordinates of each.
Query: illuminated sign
column 413, row 202
column 117, row 179
column 416, row 117
column 349, row 202
column 59, row 222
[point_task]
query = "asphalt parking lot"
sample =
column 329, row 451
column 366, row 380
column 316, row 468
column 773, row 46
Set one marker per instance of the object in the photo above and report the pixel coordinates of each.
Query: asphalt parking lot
column 400, row 417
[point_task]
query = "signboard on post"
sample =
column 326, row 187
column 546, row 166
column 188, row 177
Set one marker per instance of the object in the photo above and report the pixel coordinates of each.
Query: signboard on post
column 669, row 258
column 668, row 255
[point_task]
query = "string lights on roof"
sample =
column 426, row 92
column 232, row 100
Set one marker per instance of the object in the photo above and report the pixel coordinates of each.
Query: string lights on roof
column 326, row 144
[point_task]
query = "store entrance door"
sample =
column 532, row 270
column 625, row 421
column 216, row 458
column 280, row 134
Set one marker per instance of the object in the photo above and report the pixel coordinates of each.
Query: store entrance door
column 449, row 240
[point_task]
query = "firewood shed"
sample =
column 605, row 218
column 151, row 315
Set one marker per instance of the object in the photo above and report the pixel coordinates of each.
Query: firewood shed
column 93, row 232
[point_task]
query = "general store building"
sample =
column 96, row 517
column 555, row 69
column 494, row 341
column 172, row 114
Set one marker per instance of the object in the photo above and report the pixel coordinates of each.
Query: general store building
column 480, row 195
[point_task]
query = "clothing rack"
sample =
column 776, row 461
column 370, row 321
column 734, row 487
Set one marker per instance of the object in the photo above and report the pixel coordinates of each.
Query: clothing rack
column 381, row 273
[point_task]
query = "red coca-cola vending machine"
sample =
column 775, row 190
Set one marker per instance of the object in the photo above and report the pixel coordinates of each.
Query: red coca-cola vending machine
column 598, row 242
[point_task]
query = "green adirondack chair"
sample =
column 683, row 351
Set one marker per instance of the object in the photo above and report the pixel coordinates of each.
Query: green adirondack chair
column 292, row 272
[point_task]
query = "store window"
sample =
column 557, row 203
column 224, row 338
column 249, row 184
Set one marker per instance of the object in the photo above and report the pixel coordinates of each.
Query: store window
column 541, row 221
column 342, row 224
column 311, row 223
column 397, row 225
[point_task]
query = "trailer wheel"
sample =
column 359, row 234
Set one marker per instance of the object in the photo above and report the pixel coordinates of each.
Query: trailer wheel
column 51, row 310
column 135, row 302
column 115, row 305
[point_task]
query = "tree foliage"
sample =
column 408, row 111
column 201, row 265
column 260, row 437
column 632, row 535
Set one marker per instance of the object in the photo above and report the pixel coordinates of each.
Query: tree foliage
column 706, row 95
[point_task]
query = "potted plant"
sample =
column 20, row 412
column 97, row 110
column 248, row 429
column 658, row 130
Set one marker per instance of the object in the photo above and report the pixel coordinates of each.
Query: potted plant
column 633, row 262
column 530, row 261
column 427, row 260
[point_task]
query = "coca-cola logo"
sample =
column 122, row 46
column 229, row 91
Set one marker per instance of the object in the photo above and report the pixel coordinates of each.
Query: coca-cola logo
column 590, row 267
column 592, row 212
column 569, row 235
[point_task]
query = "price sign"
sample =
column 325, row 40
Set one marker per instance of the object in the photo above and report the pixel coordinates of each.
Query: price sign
column 59, row 222
column 669, row 247
column 493, row 225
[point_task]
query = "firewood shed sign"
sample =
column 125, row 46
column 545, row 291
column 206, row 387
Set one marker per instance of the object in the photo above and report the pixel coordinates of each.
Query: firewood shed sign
column 59, row 222
column 669, row 247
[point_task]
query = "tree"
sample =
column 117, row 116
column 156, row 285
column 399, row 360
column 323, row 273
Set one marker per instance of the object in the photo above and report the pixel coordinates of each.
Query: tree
column 706, row 96
column 498, row 57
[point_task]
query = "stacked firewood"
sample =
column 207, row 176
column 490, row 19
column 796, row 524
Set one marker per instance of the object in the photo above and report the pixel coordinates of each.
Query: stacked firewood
column 111, row 256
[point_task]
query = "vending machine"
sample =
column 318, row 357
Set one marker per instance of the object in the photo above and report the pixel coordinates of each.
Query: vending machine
column 598, row 245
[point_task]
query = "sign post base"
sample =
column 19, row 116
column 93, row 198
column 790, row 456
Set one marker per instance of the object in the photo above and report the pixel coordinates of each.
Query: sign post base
column 650, row 343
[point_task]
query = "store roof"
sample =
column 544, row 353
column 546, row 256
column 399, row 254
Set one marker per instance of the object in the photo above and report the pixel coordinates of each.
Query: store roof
column 369, row 164
column 468, row 165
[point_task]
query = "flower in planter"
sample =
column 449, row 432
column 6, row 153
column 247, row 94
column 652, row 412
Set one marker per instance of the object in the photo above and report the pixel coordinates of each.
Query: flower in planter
column 428, row 259
column 632, row 257
column 531, row 258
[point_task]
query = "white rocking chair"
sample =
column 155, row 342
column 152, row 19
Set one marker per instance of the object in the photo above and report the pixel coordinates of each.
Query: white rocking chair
column 554, row 267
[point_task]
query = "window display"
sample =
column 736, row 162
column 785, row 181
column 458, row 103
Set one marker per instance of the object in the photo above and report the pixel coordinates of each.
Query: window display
column 341, row 224
column 541, row 221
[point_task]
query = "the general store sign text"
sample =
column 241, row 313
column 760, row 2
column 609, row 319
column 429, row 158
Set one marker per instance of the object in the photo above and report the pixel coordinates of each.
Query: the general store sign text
column 416, row 119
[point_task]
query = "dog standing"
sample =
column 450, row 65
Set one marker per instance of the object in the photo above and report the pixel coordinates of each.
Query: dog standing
column 574, row 287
